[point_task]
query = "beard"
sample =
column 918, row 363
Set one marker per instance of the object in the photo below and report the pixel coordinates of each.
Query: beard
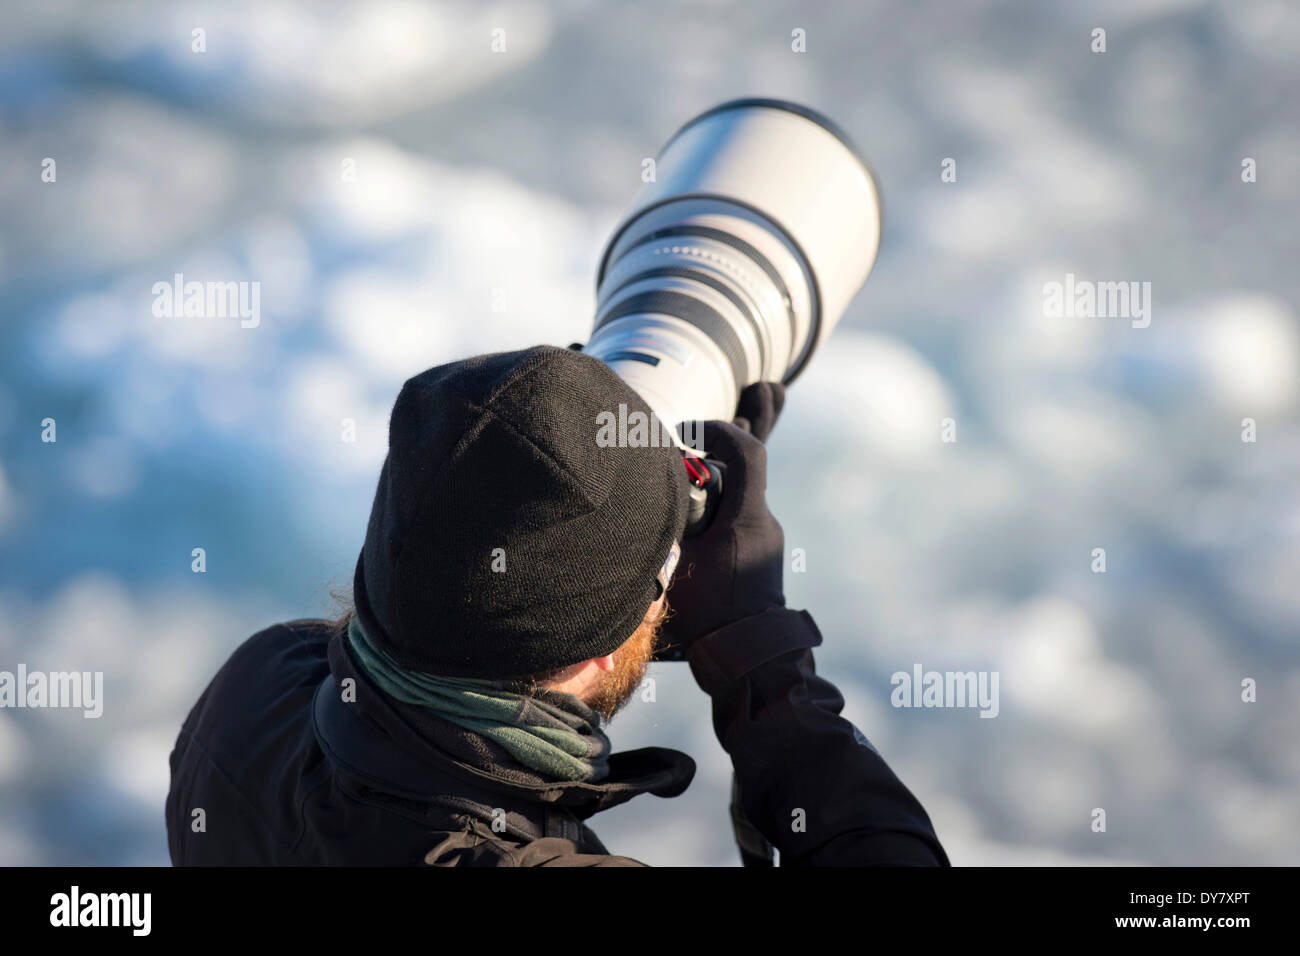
column 617, row 686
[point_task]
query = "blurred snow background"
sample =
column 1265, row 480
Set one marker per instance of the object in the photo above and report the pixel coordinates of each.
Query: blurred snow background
column 482, row 174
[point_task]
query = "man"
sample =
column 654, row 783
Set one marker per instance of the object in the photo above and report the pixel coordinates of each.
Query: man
column 511, row 589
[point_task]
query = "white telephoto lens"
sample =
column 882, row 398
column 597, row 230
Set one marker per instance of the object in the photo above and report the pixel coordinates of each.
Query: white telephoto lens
column 739, row 259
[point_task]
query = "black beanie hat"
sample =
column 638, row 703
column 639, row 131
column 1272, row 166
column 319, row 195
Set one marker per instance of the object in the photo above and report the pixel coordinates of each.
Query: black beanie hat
column 501, row 452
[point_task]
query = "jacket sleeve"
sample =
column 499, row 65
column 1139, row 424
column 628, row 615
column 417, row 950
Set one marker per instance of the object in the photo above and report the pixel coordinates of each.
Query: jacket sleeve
column 807, row 779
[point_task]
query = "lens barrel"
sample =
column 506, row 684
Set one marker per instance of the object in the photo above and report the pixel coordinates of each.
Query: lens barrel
column 737, row 261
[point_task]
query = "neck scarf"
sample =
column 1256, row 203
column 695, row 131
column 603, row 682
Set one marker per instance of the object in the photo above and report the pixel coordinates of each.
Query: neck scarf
column 552, row 733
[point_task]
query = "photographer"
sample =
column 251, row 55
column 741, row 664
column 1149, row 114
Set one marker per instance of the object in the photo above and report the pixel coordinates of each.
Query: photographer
column 512, row 588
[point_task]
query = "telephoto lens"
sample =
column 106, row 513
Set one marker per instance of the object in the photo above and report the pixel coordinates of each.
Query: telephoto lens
column 737, row 260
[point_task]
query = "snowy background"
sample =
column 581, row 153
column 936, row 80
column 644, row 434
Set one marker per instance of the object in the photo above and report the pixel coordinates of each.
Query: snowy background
column 478, row 172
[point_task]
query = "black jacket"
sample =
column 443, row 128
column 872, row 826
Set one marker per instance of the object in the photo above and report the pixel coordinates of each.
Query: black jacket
column 272, row 768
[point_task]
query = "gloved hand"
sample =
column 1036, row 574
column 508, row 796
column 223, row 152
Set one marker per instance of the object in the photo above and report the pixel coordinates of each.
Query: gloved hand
column 734, row 569
column 759, row 407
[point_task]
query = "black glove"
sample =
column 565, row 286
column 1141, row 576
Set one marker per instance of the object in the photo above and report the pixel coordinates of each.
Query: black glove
column 734, row 568
column 759, row 407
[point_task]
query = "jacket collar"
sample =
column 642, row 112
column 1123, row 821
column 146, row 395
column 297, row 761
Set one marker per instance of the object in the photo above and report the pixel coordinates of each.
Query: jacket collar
column 408, row 751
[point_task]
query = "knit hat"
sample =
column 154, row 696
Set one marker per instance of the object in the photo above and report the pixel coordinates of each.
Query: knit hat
column 508, row 536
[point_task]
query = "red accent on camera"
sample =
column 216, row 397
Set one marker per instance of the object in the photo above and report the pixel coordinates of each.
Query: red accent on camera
column 698, row 471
